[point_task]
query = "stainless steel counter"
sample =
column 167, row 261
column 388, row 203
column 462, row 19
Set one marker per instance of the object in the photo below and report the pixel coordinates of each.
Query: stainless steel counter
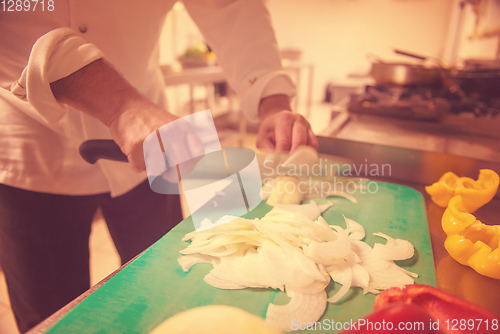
column 472, row 138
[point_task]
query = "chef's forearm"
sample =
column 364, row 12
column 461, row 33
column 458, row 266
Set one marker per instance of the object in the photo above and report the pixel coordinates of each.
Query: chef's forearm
column 98, row 90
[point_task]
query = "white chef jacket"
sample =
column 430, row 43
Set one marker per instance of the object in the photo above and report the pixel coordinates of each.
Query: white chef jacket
column 39, row 138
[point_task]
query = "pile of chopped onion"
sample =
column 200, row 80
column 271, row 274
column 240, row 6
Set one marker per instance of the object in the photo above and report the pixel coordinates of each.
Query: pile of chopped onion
column 292, row 248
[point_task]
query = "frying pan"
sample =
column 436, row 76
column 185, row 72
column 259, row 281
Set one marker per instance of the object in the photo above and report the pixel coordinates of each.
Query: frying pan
column 398, row 73
column 474, row 81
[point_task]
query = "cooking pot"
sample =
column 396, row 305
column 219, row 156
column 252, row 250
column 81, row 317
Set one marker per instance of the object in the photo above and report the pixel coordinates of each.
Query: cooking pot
column 406, row 74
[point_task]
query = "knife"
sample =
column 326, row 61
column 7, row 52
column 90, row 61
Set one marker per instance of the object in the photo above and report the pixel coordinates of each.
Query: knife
column 95, row 149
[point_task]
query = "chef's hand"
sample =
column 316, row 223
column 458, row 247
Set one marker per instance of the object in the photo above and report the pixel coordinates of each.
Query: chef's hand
column 140, row 118
column 98, row 90
column 280, row 129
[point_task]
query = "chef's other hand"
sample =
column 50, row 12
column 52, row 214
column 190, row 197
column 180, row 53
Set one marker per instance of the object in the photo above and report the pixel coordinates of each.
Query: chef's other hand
column 280, row 129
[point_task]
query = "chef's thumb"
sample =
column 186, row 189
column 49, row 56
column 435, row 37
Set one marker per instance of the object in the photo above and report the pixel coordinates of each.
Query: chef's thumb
column 136, row 159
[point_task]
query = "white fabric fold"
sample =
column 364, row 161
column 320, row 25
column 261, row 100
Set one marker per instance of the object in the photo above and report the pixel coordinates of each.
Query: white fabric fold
column 261, row 81
column 281, row 84
column 241, row 35
column 55, row 55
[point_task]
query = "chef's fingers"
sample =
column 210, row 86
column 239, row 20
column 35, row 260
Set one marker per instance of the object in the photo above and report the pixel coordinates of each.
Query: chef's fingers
column 265, row 141
column 265, row 135
column 312, row 140
column 136, row 159
column 299, row 135
column 283, row 133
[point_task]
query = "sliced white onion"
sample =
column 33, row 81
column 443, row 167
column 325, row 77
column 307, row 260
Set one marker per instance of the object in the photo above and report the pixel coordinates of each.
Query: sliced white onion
column 316, row 230
column 329, row 252
column 409, row 273
column 291, row 266
column 207, row 223
column 311, row 210
column 224, row 250
column 224, row 244
column 352, row 258
column 280, row 227
column 314, row 287
column 321, row 221
column 222, row 284
column 324, row 207
column 356, row 231
column 188, row 261
column 288, row 250
column 360, row 248
column 267, row 188
column 337, row 272
column 394, row 249
column 294, row 239
column 303, row 156
column 360, row 276
column 235, row 224
column 384, row 274
column 302, row 307
column 251, row 270
column 342, row 275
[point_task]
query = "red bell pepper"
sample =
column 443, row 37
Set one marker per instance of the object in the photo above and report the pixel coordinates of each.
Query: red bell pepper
column 388, row 319
column 424, row 309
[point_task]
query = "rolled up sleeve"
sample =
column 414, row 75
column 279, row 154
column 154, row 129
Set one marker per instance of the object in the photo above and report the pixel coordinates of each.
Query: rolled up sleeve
column 55, row 55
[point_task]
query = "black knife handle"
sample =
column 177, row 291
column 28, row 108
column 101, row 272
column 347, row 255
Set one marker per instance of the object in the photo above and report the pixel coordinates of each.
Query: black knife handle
column 95, row 149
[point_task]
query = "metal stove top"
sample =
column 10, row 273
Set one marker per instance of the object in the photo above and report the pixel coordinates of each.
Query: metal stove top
column 422, row 103
column 464, row 134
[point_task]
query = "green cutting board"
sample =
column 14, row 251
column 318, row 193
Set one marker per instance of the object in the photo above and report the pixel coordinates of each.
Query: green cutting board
column 153, row 287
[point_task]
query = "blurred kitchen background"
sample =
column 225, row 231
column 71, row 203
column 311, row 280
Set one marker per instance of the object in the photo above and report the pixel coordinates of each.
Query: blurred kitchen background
column 338, row 36
column 330, row 47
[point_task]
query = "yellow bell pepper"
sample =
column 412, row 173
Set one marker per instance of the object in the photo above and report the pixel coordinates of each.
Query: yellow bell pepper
column 474, row 193
column 469, row 241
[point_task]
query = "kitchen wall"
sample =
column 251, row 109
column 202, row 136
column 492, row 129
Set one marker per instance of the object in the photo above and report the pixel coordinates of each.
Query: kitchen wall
column 179, row 32
column 489, row 21
column 337, row 35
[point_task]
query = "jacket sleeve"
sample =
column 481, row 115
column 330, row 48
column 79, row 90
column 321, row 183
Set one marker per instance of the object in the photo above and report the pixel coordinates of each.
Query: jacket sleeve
column 242, row 37
column 54, row 55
